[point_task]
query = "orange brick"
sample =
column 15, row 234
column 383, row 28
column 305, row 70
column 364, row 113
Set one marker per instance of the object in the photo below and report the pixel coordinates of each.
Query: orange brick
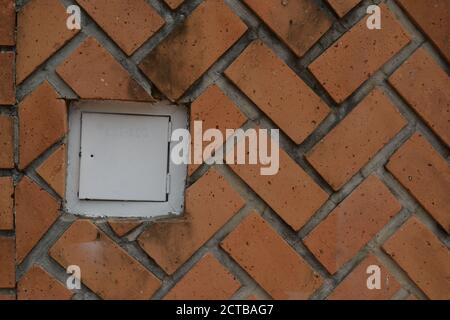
column 53, row 170
column 7, row 297
column 210, row 203
column 6, row 142
column 7, row 89
column 8, row 22
column 207, row 280
column 352, row 224
column 216, row 111
column 105, row 267
column 7, row 263
column 37, row 284
column 424, row 258
column 350, row 145
column 270, row 260
column 6, row 203
column 291, row 192
column 343, row 6
column 358, row 54
column 123, row 227
column 41, row 31
column 278, row 91
column 93, row 80
column 426, row 175
column 192, row 48
column 174, row 3
column 36, row 211
column 426, row 87
column 129, row 23
column 433, row 17
column 354, row 286
column 299, row 23
column 42, row 122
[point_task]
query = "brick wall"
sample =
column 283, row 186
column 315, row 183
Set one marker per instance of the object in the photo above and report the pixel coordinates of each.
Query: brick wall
column 365, row 133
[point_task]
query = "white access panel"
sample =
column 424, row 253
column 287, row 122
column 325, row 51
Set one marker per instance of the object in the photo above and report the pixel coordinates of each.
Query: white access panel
column 124, row 157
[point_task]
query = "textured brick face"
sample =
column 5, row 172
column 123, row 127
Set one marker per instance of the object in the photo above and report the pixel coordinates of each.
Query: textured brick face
column 426, row 174
column 8, row 22
column 343, row 6
column 426, row 87
column 299, row 23
column 107, row 269
column 357, row 55
column 7, row 263
column 7, row 92
column 352, row 224
column 348, row 147
column 53, row 170
column 275, row 88
column 6, row 203
column 207, row 280
column 270, row 260
column 6, row 142
column 192, row 48
column 425, row 259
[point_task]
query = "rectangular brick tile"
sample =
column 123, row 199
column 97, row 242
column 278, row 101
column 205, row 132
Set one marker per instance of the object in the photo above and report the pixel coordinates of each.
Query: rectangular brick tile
column 354, row 286
column 6, row 142
column 7, row 22
column 299, row 23
column 106, row 268
column 424, row 258
column 426, row 175
column 207, row 280
column 7, row 263
column 210, row 203
column 353, row 223
column 192, row 47
column 433, row 17
column 358, row 54
column 278, row 91
column 37, row 284
column 6, row 203
column 291, row 193
column 426, row 87
column 270, row 260
column 356, row 139
column 7, row 88
column 343, row 6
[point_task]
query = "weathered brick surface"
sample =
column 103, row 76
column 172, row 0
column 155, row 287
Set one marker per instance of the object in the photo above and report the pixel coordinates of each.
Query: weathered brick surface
column 7, row 91
column 174, row 3
column 270, row 260
column 37, row 284
column 210, row 203
column 93, row 80
column 299, row 23
column 53, row 170
column 354, row 286
column 7, row 22
column 426, row 87
column 7, row 297
column 352, row 224
column 122, row 227
column 42, row 122
column 121, row 20
column 417, row 250
column 291, row 192
column 426, row 175
column 343, row 6
column 278, row 91
column 6, row 203
column 357, row 55
column 36, row 211
column 41, row 31
column 434, row 18
column 216, row 111
column 6, row 142
column 207, row 280
column 192, row 48
column 7, row 263
column 349, row 146
column 107, row 269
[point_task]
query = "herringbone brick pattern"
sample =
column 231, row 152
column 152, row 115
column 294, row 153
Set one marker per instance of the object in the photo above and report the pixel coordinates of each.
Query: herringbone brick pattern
column 364, row 118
